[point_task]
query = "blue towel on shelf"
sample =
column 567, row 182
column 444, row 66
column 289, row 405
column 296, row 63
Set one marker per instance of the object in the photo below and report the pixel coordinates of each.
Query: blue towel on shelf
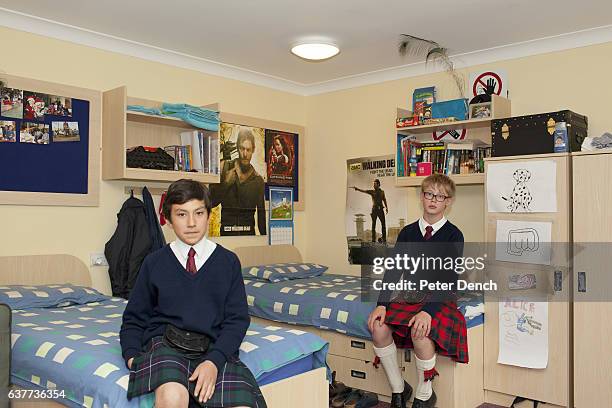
column 144, row 109
column 194, row 115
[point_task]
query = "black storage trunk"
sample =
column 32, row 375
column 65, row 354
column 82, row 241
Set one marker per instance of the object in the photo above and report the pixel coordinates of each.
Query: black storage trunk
column 534, row 134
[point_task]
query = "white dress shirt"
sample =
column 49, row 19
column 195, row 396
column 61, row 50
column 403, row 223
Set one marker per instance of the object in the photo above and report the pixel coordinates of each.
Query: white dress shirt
column 423, row 224
column 204, row 248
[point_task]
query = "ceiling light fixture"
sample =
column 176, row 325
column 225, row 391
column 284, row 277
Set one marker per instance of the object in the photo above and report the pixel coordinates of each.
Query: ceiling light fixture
column 315, row 51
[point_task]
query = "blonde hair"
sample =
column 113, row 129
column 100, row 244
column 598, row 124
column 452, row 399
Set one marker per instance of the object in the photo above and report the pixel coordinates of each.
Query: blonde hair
column 441, row 181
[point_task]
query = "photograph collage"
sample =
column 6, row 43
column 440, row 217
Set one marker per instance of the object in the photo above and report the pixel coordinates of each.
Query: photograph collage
column 36, row 118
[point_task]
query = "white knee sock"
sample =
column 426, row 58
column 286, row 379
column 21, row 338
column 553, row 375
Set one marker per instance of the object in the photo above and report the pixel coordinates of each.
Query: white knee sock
column 388, row 359
column 423, row 389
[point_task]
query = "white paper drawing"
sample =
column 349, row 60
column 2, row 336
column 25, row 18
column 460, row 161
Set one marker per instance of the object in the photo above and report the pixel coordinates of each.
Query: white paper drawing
column 523, row 333
column 523, row 241
column 523, row 186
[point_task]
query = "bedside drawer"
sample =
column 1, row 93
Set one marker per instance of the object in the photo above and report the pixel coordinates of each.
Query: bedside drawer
column 346, row 346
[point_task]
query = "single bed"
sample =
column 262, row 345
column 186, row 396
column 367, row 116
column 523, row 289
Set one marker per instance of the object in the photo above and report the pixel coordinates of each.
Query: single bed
column 93, row 329
column 330, row 306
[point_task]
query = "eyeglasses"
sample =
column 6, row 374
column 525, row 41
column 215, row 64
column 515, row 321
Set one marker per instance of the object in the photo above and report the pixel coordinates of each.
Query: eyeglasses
column 438, row 197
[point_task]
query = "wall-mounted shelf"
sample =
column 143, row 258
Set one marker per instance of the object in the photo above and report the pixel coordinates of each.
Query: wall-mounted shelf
column 124, row 129
column 459, row 179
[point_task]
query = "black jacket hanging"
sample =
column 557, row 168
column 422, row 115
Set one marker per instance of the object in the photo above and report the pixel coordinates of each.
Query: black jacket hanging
column 155, row 231
column 128, row 247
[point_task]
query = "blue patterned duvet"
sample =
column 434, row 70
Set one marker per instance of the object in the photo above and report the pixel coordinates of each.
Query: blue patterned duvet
column 330, row 302
column 76, row 349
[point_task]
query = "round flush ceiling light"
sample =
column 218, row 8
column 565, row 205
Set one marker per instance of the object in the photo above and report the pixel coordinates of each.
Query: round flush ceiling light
column 315, row 51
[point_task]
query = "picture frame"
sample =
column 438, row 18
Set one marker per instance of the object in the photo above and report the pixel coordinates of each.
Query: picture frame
column 281, row 204
column 481, row 110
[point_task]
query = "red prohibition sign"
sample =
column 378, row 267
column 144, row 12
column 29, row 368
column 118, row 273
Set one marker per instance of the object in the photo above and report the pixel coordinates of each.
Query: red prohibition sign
column 481, row 80
column 455, row 134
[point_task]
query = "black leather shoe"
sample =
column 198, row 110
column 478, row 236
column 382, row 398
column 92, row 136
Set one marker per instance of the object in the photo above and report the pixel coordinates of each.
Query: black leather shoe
column 399, row 399
column 430, row 403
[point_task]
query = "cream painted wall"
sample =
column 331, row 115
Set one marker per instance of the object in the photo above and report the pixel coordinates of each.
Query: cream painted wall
column 340, row 125
column 81, row 231
column 360, row 122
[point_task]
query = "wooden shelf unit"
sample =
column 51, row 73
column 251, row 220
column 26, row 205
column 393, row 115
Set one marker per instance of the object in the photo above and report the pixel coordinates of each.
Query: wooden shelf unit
column 479, row 129
column 123, row 129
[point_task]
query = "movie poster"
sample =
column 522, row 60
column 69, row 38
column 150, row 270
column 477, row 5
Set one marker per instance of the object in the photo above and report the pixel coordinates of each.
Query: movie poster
column 280, row 157
column 375, row 208
column 238, row 199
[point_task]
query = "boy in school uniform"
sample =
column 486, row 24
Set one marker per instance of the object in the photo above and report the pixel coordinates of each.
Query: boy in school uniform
column 430, row 328
column 187, row 315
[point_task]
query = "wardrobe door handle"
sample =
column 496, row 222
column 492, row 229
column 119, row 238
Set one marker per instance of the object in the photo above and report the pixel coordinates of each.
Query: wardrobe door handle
column 582, row 285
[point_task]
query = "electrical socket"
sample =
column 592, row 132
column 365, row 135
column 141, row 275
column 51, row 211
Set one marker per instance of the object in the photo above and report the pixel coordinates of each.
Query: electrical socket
column 98, row 260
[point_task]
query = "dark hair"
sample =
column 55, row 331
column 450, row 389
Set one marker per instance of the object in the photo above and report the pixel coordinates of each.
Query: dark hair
column 246, row 134
column 184, row 190
column 377, row 181
column 282, row 143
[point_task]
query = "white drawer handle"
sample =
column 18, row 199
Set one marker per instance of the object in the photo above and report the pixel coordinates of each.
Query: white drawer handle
column 358, row 344
column 358, row 374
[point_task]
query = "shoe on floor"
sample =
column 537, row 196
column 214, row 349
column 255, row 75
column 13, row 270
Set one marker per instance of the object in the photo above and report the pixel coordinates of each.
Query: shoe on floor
column 399, row 399
column 338, row 400
column 335, row 388
column 367, row 400
column 353, row 398
column 430, row 403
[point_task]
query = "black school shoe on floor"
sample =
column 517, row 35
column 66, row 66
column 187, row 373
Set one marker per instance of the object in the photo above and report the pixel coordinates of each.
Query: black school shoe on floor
column 430, row 403
column 399, row 399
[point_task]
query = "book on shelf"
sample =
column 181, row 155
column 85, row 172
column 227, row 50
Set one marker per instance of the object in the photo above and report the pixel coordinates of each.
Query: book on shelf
column 199, row 152
column 462, row 157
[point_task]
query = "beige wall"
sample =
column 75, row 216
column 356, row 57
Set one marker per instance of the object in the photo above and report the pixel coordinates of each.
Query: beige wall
column 360, row 122
column 81, row 231
column 340, row 125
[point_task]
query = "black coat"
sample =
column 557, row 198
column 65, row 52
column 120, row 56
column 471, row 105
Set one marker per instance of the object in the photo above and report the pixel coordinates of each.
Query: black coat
column 128, row 247
column 155, row 232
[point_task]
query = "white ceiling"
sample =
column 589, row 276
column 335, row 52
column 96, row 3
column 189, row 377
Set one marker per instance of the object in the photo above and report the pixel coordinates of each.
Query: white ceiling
column 255, row 36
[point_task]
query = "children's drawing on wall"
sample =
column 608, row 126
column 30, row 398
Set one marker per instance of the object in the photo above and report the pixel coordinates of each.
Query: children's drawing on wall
column 521, row 197
column 523, row 241
column 522, row 187
column 523, row 333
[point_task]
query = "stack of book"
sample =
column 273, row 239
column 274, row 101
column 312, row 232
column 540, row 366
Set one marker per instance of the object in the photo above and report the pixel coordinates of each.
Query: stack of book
column 198, row 152
column 415, row 158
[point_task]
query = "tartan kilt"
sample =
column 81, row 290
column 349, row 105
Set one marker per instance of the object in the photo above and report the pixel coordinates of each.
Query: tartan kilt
column 448, row 328
column 160, row 364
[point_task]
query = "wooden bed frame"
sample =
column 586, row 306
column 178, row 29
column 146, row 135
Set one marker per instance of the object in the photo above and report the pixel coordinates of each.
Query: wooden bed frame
column 459, row 385
column 307, row 390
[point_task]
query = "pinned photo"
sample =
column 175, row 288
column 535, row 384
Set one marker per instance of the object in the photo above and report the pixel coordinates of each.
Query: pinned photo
column 8, row 132
column 35, row 105
column 65, row 131
column 12, row 103
column 60, row 106
column 37, row 133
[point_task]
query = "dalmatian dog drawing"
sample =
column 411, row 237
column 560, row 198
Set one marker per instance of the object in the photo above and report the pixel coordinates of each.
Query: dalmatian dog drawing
column 521, row 196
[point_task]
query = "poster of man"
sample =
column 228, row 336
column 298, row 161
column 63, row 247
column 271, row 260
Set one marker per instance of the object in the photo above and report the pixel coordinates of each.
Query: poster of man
column 280, row 157
column 238, row 200
column 376, row 209
column 12, row 103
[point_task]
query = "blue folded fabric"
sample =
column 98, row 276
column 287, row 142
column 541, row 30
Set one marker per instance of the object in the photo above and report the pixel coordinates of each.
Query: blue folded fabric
column 194, row 115
column 144, row 109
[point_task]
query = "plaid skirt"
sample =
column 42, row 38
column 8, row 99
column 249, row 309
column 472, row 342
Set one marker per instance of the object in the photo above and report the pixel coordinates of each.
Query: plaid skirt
column 448, row 328
column 160, row 364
